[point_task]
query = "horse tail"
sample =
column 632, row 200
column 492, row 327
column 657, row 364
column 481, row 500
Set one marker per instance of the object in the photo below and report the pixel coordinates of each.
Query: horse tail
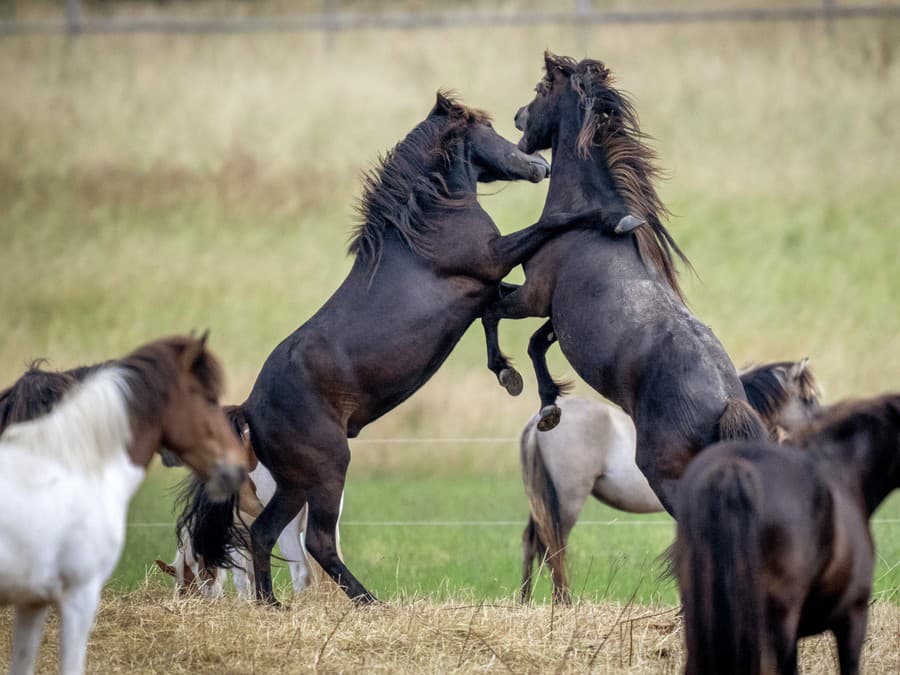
column 212, row 528
column 717, row 557
column 543, row 502
column 740, row 421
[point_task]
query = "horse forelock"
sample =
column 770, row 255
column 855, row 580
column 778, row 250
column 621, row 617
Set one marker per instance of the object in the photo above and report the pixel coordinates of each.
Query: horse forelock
column 610, row 121
column 406, row 181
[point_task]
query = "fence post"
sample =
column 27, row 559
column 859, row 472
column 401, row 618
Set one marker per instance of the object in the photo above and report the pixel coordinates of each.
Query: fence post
column 73, row 17
column 330, row 23
column 829, row 6
column 582, row 9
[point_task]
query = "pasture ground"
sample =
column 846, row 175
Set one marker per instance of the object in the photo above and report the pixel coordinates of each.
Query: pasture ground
column 150, row 631
column 457, row 536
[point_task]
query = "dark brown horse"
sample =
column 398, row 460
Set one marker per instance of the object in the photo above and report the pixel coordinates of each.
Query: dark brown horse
column 428, row 261
column 774, row 544
column 614, row 300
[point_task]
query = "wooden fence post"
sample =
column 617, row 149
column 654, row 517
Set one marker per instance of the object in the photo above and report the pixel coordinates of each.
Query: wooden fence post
column 73, row 17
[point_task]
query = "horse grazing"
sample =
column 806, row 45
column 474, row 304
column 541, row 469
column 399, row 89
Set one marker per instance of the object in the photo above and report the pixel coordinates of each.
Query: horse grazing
column 592, row 451
column 613, row 297
column 428, row 261
column 67, row 478
column 773, row 543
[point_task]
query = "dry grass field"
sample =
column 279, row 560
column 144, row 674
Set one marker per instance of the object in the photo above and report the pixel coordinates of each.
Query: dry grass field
column 150, row 631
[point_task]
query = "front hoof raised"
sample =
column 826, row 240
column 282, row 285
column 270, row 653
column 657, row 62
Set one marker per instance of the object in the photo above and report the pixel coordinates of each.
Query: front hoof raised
column 511, row 381
column 550, row 415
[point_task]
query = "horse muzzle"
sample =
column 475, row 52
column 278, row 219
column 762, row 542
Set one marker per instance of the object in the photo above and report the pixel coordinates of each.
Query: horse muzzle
column 226, row 479
column 540, row 168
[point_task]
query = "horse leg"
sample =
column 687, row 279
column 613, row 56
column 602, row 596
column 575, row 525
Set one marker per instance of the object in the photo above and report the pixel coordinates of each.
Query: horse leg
column 498, row 363
column 321, row 533
column 241, row 574
column 784, row 635
column 850, row 633
column 77, row 613
column 293, row 552
column 531, row 546
column 519, row 304
column 284, row 505
column 548, row 388
column 27, row 631
column 513, row 249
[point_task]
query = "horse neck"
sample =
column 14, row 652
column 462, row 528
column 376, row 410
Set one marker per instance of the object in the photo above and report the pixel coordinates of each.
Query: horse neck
column 578, row 184
column 868, row 464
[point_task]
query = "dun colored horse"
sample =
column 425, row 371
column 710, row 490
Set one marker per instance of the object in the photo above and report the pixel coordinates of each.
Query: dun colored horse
column 428, row 261
column 591, row 452
column 614, row 300
column 67, row 478
column 773, row 542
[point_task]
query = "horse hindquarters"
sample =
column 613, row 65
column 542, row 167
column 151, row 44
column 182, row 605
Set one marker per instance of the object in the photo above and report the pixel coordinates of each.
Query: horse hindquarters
column 717, row 562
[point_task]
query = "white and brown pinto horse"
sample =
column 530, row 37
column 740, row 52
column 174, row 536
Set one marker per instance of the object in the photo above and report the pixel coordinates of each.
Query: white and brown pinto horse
column 67, row 479
column 592, row 452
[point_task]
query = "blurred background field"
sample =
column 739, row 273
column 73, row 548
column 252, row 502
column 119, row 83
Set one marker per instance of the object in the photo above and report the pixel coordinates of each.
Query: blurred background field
column 157, row 183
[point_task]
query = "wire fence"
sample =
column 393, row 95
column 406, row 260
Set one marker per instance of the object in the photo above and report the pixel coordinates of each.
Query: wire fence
column 330, row 20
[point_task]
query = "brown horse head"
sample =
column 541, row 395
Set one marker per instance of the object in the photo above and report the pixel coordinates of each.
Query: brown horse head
column 175, row 386
column 785, row 394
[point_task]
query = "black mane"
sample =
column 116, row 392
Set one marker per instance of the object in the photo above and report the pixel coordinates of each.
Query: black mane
column 407, row 181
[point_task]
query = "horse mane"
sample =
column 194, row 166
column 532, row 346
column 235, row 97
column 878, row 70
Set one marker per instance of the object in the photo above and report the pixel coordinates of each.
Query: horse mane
column 611, row 123
column 34, row 394
column 86, row 422
column 841, row 421
column 85, row 429
column 407, row 181
column 768, row 393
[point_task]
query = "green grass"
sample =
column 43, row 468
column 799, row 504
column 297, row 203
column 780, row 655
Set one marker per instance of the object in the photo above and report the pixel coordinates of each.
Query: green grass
column 461, row 559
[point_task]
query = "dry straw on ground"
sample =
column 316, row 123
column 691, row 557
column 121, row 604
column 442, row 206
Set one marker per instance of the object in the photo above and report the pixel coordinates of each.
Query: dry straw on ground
column 150, row 631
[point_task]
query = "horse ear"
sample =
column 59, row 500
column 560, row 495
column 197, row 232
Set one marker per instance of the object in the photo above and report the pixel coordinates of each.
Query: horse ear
column 551, row 61
column 193, row 351
column 799, row 368
column 442, row 105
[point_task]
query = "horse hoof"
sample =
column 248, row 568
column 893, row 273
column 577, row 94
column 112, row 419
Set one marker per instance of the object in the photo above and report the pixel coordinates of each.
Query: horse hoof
column 550, row 415
column 511, row 381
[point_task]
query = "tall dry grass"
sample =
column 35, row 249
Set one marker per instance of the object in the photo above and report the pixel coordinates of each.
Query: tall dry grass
column 149, row 631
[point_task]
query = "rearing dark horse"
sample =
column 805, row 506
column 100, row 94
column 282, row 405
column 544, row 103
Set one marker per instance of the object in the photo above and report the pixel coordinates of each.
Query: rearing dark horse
column 428, row 261
column 613, row 298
